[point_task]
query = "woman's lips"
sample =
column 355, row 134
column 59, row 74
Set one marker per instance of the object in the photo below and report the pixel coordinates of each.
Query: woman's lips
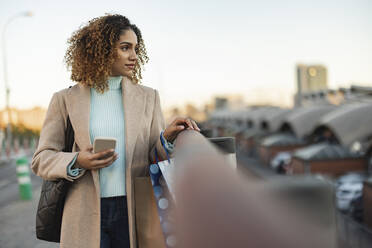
column 130, row 66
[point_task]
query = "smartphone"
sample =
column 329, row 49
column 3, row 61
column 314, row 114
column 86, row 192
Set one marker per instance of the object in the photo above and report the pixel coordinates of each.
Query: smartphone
column 103, row 143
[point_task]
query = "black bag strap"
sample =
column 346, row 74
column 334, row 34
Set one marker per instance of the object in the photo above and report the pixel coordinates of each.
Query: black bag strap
column 69, row 135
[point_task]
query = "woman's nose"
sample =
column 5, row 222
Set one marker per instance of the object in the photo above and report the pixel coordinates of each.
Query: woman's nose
column 133, row 56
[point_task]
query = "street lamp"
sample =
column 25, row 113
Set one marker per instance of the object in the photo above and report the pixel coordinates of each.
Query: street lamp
column 7, row 89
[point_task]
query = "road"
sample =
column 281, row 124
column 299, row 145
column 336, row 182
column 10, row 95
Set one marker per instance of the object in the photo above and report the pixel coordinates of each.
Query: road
column 17, row 217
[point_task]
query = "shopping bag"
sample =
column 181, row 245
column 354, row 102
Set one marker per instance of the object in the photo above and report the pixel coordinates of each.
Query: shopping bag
column 162, row 180
column 168, row 172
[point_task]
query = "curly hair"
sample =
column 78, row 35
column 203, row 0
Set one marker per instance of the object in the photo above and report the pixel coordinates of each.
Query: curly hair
column 91, row 52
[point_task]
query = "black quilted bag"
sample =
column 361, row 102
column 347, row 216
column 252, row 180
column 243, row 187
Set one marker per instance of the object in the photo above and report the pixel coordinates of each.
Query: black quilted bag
column 52, row 199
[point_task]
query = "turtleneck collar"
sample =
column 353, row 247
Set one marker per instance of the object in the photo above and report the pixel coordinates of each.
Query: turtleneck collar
column 114, row 83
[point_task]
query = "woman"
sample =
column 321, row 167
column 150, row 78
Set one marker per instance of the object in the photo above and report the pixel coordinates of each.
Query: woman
column 106, row 57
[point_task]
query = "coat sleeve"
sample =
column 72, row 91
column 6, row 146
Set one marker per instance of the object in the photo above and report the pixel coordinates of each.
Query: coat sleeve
column 48, row 161
column 157, row 125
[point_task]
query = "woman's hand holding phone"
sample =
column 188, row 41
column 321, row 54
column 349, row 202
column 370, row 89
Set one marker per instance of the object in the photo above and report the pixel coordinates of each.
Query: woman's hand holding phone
column 92, row 161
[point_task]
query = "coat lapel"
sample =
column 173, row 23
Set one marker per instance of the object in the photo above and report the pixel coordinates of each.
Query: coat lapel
column 134, row 106
column 78, row 107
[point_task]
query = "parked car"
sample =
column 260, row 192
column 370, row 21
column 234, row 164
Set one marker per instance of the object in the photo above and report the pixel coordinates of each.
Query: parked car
column 356, row 209
column 280, row 161
column 348, row 188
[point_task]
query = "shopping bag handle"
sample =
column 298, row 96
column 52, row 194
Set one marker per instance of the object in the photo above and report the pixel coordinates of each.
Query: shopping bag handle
column 166, row 151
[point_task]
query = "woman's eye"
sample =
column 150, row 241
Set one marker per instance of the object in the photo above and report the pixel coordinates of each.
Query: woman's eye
column 124, row 48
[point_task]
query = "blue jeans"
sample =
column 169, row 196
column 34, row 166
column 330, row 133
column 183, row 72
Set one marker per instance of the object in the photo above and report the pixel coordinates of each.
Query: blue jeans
column 114, row 222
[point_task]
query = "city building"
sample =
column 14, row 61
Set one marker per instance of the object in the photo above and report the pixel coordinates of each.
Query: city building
column 309, row 78
column 30, row 118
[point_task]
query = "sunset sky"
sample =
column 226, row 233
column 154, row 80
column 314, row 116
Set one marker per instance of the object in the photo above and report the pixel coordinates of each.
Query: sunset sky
column 197, row 49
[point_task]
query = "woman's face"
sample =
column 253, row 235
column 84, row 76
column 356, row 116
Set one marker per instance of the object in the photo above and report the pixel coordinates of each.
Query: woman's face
column 127, row 57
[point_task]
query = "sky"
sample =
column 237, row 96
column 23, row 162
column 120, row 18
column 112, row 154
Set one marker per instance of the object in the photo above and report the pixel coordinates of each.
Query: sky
column 197, row 49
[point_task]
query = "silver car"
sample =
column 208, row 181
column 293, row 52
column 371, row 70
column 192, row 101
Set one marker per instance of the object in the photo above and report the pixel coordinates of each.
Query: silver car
column 348, row 188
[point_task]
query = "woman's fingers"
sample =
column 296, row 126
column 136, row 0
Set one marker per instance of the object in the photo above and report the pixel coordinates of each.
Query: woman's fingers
column 179, row 128
column 178, row 125
column 179, row 121
column 195, row 126
column 101, row 163
column 88, row 160
column 100, row 155
column 189, row 123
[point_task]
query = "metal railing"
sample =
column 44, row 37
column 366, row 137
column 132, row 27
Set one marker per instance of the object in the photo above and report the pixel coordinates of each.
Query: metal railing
column 217, row 207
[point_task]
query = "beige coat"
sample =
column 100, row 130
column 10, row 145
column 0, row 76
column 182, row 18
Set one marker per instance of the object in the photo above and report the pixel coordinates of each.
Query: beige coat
column 143, row 124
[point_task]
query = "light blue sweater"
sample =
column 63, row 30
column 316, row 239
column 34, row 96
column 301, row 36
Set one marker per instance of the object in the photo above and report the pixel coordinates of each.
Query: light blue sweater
column 107, row 119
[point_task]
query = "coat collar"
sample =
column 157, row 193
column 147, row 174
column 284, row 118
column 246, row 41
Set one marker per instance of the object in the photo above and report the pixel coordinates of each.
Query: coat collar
column 134, row 99
column 78, row 108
